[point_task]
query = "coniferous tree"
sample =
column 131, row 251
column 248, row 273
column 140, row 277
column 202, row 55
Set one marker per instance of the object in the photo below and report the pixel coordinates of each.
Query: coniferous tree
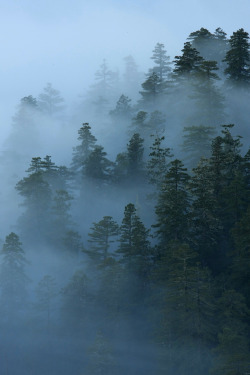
column 151, row 91
column 238, row 58
column 135, row 152
column 123, row 109
column 97, row 167
column 162, row 64
column 158, row 163
column 188, row 63
column 82, row 151
column 101, row 237
column 209, row 101
column 206, row 226
column 36, row 192
column 173, row 205
column 61, row 217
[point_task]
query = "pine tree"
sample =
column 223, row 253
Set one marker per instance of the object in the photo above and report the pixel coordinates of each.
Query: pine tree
column 158, row 163
column 189, row 62
column 151, row 90
column 37, row 200
column 82, row 151
column 97, row 167
column 160, row 58
column 61, row 217
column 186, row 323
column 209, row 101
column 238, row 58
column 101, row 237
column 206, row 226
column 123, row 109
column 134, row 243
column 135, row 152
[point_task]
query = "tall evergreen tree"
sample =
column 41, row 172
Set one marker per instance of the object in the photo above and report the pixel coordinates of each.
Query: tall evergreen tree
column 135, row 152
column 238, row 59
column 83, row 150
column 37, row 200
column 173, row 205
column 151, row 91
column 97, row 167
column 101, row 237
column 189, row 62
column 162, row 63
column 158, row 163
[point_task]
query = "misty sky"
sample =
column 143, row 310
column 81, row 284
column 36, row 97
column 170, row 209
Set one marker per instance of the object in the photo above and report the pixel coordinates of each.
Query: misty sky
column 64, row 42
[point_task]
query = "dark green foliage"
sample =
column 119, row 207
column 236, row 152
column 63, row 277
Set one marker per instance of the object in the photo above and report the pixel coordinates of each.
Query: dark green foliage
column 189, row 62
column 233, row 349
column 173, row 204
column 206, row 226
column 134, row 243
column 238, row 58
column 97, row 167
column 241, row 255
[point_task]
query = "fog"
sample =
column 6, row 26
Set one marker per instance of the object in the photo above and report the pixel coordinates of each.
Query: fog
column 105, row 251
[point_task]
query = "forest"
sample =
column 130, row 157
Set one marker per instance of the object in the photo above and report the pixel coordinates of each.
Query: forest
column 125, row 226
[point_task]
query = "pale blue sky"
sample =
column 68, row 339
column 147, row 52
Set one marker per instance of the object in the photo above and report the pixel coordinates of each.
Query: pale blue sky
column 64, row 41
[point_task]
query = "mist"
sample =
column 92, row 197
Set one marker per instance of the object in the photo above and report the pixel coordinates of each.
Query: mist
column 124, row 169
